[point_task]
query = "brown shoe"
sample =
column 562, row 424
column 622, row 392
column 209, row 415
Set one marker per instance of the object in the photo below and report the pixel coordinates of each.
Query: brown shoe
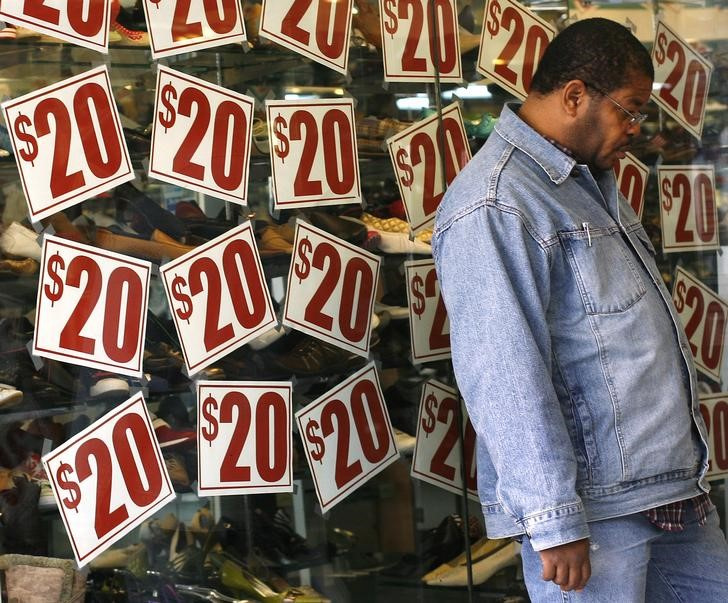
column 273, row 240
column 160, row 247
column 25, row 267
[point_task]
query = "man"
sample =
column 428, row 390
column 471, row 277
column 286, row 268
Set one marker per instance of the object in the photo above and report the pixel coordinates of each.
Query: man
column 576, row 373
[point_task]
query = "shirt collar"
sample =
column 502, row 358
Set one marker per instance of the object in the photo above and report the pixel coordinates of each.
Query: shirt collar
column 554, row 159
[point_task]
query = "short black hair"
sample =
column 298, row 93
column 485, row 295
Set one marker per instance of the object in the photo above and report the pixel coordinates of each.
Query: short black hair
column 600, row 52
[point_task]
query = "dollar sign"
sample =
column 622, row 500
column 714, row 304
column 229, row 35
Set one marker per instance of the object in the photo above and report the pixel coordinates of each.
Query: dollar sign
column 68, row 484
column 29, row 154
column 156, row 3
column 660, row 51
column 403, row 164
column 207, row 406
column 318, row 453
column 419, row 305
column 279, row 125
column 305, row 247
column 680, row 290
column 494, row 21
column 55, row 292
column 391, row 25
column 168, row 118
column 666, row 195
column 178, row 283
column 428, row 423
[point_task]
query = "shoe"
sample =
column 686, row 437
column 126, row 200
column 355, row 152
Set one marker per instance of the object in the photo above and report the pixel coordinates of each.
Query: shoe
column 273, row 240
column 9, row 396
column 130, row 24
column 147, row 215
column 177, row 471
column 172, row 438
column 117, row 557
column 235, row 576
column 347, row 230
column 24, row 267
column 313, row 357
column 7, row 31
column 405, row 442
column 489, row 557
column 109, row 385
column 400, row 243
column 270, row 336
column 161, row 247
column 20, row 242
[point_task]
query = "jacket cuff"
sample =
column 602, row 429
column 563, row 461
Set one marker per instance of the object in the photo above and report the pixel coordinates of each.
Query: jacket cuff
column 556, row 526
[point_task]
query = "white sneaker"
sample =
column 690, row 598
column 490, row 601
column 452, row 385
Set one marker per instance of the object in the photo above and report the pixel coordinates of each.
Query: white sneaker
column 264, row 340
column 19, row 241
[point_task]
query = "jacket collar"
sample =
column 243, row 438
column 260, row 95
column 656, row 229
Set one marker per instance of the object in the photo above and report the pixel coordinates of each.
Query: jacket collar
column 557, row 164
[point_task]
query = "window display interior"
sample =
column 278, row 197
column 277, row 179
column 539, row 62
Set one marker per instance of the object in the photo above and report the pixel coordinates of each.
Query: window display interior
column 393, row 535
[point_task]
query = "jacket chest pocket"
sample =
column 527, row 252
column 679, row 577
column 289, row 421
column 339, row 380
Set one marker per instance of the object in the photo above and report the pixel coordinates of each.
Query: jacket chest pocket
column 604, row 270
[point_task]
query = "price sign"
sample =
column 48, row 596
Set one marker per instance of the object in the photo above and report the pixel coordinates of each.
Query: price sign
column 218, row 297
column 429, row 324
column 512, row 43
column 688, row 210
column 83, row 23
column 177, row 26
column 68, row 142
column 347, row 436
column 108, row 479
column 703, row 314
column 437, row 456
column 313, row 153
column 416, row 155
column 418, row 38
column 331, row 287
column 317, row 29
column 632, row 177
column 201, row 136
column 683, row 78
column 714, row 408
column 244, row 433
column 91, row 307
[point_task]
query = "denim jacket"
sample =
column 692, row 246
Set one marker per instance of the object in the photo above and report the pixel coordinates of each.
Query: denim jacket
column 570, row 356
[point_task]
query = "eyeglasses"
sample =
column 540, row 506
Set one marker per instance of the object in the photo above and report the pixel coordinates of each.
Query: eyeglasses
column 634, row 118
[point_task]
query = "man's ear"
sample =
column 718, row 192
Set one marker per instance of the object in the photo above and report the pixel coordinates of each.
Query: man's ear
column 573, row 97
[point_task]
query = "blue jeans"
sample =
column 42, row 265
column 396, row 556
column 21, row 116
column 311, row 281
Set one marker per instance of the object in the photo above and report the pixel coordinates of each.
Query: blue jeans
column 635, row 562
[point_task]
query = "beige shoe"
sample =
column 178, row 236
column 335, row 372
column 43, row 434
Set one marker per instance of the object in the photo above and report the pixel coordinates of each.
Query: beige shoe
column 20, row 242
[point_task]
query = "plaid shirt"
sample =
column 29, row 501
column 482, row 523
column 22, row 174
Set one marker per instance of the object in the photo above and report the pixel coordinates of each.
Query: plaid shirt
column 671, row 517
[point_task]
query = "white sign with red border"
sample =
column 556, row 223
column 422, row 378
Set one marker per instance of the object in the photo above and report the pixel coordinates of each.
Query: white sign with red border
column 218, row 297
column 437, row 455
column 410, row 51
column 82, row 23
column 417, row 160
column 688, row 208
column 177, row 26
column 317, row 29
column 714, row 408
column 68, row 142
column 347, row 436
column 201, row 136
column 429, row 324
column 331, row 286
column 244, row 433
column 632, row 177
column 703, row 315
column 512, row 43
column 313, row 153
column 91, row 307
column 682, row 77
column 128, row 479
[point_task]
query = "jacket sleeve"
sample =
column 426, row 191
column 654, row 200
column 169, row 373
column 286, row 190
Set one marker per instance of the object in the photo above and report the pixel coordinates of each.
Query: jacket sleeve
column 495, row 281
